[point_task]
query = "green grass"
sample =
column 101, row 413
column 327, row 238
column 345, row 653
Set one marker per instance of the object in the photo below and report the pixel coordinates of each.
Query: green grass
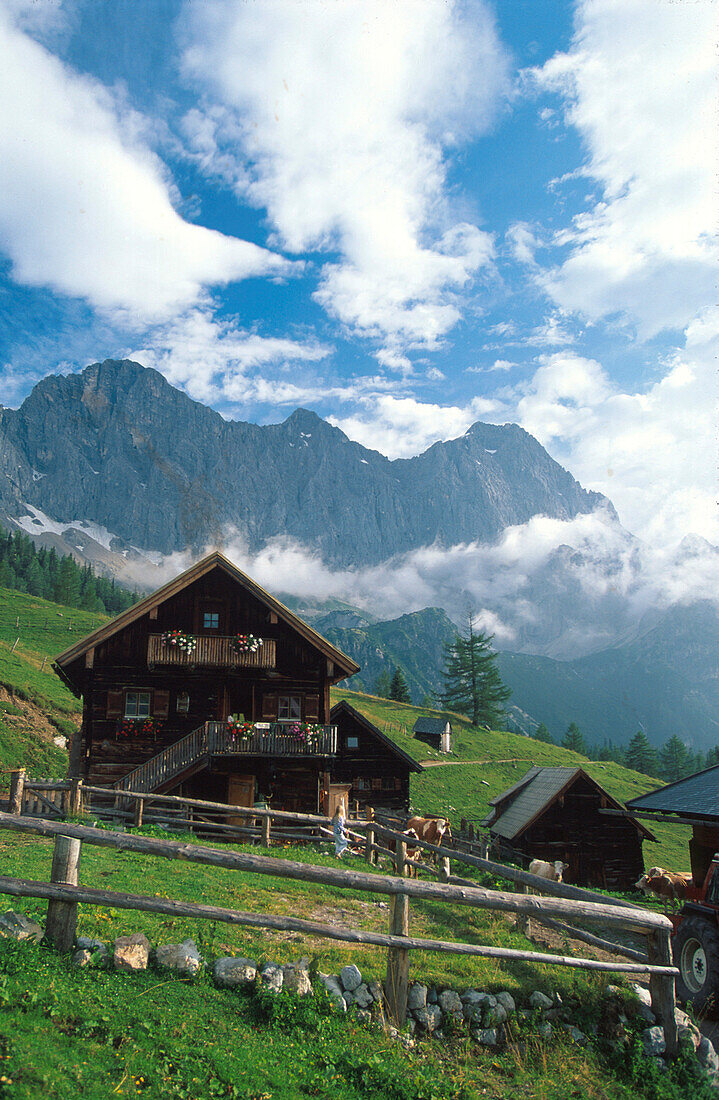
column 464, row 789
column 66, row 1033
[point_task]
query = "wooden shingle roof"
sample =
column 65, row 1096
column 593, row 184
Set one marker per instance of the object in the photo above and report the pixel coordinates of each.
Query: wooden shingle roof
column 696, row 796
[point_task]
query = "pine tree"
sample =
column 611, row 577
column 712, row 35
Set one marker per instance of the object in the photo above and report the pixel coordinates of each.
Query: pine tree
column 398, row 689
column 382, row 685
column 574, row 739
column 641, row 756
column 472, row 684
column 542, row 734
column 675, row 760
column 712, row 758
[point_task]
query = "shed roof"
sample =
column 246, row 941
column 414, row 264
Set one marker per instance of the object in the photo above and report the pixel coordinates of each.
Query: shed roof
column 431, row 725
column 697, row 795
column 343, row 707
column 536, row 791
column 215, row 560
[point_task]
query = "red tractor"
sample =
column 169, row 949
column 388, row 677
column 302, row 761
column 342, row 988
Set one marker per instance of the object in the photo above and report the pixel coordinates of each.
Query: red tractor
column 695, row 942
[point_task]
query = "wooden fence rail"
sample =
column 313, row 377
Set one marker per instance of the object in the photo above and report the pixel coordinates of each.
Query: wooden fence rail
column 400, row 890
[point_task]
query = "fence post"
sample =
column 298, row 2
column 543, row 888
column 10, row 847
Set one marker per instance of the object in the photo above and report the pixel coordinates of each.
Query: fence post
column 443, row 868
column 369, row 853
column 17, row 786
column 522, row 919
column 266, row 824
column 74, row 800
column 400, row 859
column 61, row 920
column 397, row 981
column 661, row 988
column 139, row 810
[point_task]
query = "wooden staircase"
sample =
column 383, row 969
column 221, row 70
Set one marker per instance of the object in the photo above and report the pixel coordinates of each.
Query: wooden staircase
column 191, row 753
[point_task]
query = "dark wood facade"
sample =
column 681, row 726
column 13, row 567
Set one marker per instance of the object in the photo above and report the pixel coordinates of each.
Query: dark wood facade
column 375, row 770
column 125, row 672
column 601, row 850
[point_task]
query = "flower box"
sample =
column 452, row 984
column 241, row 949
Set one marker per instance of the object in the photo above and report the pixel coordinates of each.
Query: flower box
column 187, row 643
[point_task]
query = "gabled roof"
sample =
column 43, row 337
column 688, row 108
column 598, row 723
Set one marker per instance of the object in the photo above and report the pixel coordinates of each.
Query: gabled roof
column 696, row 795
column 216, row 560
column 435, row 726
column 343, row 707
column 539, row 789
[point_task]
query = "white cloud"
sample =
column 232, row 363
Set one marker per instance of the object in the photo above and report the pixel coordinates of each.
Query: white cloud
column 640, row 87
column 400, row 427
column 85, row 207
column 210, row 359
column 344, row 114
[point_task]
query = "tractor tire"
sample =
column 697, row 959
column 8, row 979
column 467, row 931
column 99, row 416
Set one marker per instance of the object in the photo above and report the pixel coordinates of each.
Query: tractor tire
column 696, row 955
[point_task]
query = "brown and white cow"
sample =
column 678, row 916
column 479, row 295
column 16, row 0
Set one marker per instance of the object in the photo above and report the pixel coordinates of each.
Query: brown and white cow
column 551, row 871
column 671, row 886
column 431, row 829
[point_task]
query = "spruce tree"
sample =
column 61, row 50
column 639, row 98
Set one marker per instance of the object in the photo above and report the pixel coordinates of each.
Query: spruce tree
column 398, row 689
column 542, row 734
column 641, row 756
column 472, row 684
column 574, row 739
column 382, row 684
column 675, row 760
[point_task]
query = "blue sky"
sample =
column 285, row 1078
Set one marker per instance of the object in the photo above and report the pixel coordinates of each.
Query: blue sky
column 407, row 215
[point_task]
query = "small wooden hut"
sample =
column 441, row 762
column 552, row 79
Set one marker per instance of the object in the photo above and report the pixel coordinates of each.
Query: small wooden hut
column 555, row 813
column 692, row 801
column 436, row 732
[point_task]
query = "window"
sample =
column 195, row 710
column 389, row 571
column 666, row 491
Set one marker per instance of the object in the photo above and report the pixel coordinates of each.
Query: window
column 137, row 704
column 289, row 708
column 353, row 742
column 183, row 703
column 211, row 620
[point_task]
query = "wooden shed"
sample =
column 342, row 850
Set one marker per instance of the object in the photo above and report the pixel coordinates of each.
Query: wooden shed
column 692, row 801
column 555, row 813
column 436, row 732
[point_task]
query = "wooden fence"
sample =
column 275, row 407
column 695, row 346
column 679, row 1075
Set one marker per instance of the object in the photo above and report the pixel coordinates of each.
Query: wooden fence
column 557, row 905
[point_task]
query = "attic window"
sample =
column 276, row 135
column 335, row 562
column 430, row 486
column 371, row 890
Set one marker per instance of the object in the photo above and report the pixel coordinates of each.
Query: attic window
column 211, row 620
column 353, row 742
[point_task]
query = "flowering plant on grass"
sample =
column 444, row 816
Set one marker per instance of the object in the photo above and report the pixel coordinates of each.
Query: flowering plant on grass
column 246, row 643
column 187, row 643
column 137, row 727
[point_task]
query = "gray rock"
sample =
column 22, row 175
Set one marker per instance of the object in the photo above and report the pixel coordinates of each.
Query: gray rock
column 180, row 958
column 506, row 1000
column 350, row 977
column 417, row 996
column 645, row 1013
column 689, row 1035
column 377, row 992
column 348, row 998
column 545, row 1030
column 471, row 996
column 575, row 1034
column 16, row 926
column 82, row 958
column 411, row 1026
column 363, row 997
column 487, row 1036
column 653, row 1040
column 233, row 973
column 90, row 956
column 450, row 1003
column 87, row 943
column 271, row 977
column 540, row 1000
column 707, row 1055
column 296, row 979
column 496, row 1014
column 131, row 952
column 334, row 990
column 432, row 996
column 642, row 993
column 429, row 1018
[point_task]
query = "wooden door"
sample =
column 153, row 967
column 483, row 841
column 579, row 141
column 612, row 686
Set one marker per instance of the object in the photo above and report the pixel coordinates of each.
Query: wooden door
column 240, row 792
column 335, row 794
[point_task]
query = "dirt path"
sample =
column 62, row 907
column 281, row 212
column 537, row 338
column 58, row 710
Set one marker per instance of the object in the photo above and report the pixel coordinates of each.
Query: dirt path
column 457, row 763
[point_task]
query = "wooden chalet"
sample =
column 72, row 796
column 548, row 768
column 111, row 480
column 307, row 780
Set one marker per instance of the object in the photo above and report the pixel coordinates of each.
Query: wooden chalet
column 692, row 801
column 556, row 813
column 370, row 769
column 211, row 688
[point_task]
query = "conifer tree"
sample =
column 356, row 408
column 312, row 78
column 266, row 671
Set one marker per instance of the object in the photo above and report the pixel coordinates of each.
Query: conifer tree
column 641, row 756
column 382, row 684
column 542, row 734
column 574, row 739
column 675, row 759
column 398, row 689
column 472, row 684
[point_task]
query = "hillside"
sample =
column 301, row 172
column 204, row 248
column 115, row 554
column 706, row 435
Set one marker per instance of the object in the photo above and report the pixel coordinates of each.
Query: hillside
column 35, row 706
column 485, row 763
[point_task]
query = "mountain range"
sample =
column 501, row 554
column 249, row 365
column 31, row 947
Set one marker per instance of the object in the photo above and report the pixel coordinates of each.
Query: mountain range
column 119, row 468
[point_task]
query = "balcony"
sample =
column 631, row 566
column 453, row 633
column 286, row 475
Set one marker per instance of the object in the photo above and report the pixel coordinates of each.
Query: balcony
column 274, row 741
column 211, row 651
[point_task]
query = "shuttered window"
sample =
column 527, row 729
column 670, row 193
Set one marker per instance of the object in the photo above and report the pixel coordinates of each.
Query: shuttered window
column 115, row 704
column 269, row 706
column 312, row 707
column 161, row 704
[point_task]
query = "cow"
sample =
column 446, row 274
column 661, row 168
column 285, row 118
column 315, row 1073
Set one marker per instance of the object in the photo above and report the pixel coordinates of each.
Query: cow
column 671, row 886
column 411, row 853
column 430, row 829
column 551, row 871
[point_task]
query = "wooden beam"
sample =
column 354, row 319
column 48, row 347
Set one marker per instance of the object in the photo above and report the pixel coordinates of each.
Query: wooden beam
column 22, row 888
column 668, row 819
column 639, row 920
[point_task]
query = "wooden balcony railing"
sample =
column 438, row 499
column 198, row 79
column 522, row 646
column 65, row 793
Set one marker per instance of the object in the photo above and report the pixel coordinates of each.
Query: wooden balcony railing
column 214, row 739
column 213, row 650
